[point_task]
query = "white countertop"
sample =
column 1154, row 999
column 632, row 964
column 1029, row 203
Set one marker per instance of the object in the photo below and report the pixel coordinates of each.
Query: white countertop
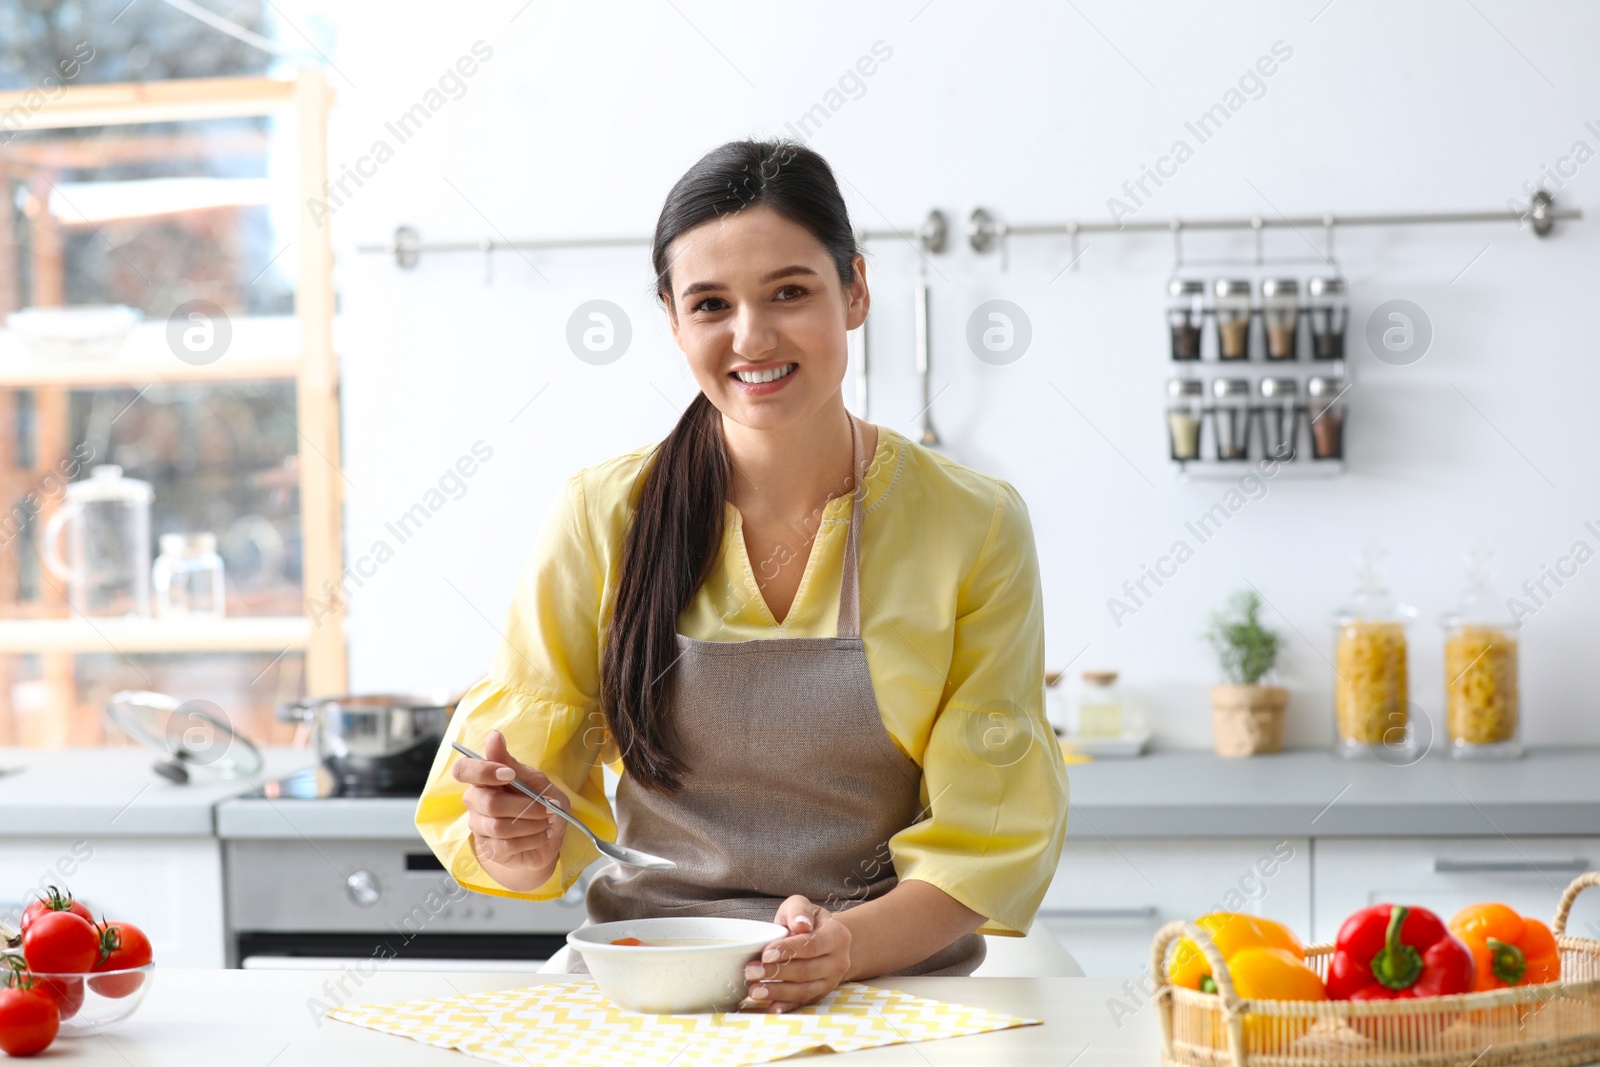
column 260, row 1018
column 113, row 792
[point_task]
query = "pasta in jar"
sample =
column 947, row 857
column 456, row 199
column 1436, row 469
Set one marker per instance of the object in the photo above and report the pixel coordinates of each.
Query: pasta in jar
column 1480, row 669
column 1370, row 695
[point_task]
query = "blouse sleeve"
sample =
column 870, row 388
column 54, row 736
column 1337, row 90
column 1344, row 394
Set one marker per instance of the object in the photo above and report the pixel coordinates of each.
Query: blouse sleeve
column 994, row 784
column 543, row 693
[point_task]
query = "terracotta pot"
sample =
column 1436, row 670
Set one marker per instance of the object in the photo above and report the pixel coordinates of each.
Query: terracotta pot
column 1248, row 719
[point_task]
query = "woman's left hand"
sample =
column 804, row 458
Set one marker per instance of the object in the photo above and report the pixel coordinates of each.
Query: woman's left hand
column 805, row 966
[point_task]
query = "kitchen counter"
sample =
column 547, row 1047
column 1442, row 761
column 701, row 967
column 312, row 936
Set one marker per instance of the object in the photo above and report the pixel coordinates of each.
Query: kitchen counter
column 1315, row 793
column 257, row 1018
column 332, row 818
column 113, row 792
column 1180, row 794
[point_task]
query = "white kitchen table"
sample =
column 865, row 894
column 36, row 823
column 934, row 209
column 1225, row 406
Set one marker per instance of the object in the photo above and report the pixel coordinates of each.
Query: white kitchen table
column 261, row 1018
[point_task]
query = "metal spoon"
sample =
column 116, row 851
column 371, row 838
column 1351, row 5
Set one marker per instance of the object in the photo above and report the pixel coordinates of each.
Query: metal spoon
column 632, row 857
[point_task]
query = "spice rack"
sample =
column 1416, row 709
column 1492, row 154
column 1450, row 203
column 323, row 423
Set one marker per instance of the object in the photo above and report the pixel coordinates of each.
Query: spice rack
column 1259, row 374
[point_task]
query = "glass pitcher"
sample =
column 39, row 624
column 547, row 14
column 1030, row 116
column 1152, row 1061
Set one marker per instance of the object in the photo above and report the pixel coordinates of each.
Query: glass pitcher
column 105, row 520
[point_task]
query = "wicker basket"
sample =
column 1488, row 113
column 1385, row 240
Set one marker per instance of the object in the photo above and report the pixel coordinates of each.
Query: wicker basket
column 1555, row 1024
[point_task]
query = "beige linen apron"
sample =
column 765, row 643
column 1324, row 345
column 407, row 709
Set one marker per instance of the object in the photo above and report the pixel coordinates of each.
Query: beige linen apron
column 794, row 787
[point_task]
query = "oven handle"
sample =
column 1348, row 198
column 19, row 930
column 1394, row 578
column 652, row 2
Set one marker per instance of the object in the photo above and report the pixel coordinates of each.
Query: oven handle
column 353, row 963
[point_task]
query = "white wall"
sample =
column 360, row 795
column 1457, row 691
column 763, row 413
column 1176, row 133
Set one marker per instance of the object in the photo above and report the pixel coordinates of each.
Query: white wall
column 581, row 121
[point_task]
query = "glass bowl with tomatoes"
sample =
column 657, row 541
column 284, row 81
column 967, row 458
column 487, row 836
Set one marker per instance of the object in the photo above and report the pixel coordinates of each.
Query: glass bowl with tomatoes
column 96, row 974
column 90, row 1002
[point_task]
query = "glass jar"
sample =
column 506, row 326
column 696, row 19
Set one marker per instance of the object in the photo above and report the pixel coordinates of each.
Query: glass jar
column 187, row 576
column 1482, row 707
column 1371, row 686
column 1325, row 411
column 1329, row 312
column 1233, row 318
column 1279, row 414
column 1280, row 311
column 1186, row 309
column 1231, row 417
column 1100, row 705
column 1185, row 405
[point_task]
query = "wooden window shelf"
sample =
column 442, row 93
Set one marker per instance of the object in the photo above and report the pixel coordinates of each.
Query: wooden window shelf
column 261, row 633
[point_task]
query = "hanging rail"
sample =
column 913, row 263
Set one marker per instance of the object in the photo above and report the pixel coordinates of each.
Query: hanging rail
column 984, row 231
column 407, row 246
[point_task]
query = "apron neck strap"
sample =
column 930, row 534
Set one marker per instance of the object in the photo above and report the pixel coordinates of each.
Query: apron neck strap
column 849, row 624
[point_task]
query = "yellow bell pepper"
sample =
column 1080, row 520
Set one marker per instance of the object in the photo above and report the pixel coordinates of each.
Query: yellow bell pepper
column 1266, row 962
column 1231, row 932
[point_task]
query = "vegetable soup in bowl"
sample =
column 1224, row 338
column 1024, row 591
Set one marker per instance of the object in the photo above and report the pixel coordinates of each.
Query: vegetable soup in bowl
column 673, row 966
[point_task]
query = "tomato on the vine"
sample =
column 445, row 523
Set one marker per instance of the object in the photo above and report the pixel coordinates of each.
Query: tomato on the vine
column 67, row 993
column 61, row 942
column 53, row 900
column 29, row 1020
column 123, row 946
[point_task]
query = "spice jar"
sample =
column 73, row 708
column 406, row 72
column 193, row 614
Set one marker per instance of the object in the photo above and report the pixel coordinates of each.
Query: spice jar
column 1279, row 415
column 1482, row 712
column 1280, row 311
column 1185, row 397
column 187, row 576
column 1329, row 313
column 1371, row 695
column 1186, row 309
column 1100, row 705
column 1232, row 316
column 1325, row 411
column 1231, row 417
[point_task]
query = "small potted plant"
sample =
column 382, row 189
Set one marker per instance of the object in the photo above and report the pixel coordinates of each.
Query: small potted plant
column 1246, row 716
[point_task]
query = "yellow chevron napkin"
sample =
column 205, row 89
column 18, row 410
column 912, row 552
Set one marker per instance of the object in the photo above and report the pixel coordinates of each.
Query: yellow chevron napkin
column 573, row 1024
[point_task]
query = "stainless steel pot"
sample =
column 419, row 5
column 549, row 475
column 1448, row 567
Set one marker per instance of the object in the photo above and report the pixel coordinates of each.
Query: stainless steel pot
column 379, row 741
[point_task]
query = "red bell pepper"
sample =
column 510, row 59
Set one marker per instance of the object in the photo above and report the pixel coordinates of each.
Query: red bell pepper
column 1389, row 952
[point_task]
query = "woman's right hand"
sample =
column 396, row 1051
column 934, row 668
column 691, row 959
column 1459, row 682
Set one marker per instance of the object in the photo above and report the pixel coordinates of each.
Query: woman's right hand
column 511, row 832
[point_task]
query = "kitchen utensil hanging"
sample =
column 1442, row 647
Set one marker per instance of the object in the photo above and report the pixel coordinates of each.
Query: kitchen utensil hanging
column 930, row 436
column 932, row 237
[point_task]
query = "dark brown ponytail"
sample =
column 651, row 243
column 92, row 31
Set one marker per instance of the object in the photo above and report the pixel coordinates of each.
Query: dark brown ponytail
column 675, row 536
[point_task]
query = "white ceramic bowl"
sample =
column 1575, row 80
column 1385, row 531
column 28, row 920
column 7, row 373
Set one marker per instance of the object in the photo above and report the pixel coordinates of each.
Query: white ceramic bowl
column 674, row 979
column 82, row 331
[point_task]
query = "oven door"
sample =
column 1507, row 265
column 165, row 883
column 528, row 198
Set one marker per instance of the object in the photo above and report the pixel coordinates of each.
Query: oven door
column 342, row 904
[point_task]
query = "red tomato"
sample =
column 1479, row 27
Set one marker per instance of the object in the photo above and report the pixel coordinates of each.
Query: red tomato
column 66, row 992
column 122, row 946
column 53, row 900
column 59, row 942
column 28, row 1021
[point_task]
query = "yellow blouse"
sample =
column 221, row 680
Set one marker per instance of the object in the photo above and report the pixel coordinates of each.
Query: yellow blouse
column 952, row 618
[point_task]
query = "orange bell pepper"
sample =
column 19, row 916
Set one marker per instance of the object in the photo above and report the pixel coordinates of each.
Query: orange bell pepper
column 1507, row 949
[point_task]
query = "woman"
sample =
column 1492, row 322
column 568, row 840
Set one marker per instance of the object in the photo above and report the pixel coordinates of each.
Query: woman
column 812, row 648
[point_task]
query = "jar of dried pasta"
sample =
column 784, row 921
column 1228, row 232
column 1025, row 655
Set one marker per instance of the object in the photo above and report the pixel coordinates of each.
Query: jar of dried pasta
column 1371, row 692
column 1482, row 708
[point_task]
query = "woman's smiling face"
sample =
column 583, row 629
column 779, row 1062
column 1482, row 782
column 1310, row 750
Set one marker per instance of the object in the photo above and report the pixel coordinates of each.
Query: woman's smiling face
column 756, row 293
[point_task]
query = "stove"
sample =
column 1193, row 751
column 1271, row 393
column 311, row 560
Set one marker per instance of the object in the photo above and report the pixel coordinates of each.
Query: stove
column 324, row 871
column 319, row 783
